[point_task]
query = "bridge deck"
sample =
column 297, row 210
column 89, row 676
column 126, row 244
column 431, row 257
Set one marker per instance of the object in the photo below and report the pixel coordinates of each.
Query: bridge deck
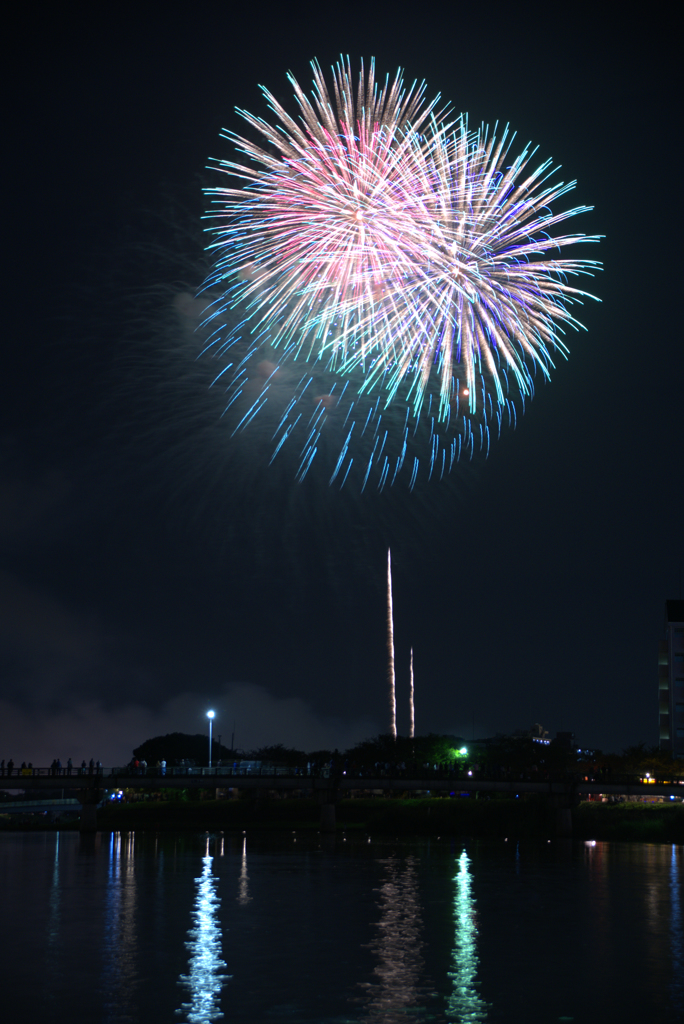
column 44, row 779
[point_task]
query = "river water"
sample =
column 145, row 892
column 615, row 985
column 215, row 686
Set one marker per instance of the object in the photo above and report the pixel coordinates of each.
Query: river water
column 252, row 929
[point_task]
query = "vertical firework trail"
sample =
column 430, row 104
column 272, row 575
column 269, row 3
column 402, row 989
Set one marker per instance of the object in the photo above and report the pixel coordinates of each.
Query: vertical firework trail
column 390, row 652
column 412, row 706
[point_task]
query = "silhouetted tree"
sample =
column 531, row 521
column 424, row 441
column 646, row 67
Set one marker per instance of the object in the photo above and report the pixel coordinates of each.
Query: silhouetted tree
column 180, row 746
column 430, row 749
column 278, row 754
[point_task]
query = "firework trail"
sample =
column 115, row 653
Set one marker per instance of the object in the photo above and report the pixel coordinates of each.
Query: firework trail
column 412, row 706
column 391, row 682
column 382, row 295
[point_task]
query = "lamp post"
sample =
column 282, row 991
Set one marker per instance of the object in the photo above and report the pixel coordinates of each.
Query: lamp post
column 210, row 716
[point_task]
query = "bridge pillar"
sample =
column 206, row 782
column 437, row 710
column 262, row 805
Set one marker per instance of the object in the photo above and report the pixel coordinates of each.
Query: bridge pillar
column 563, row 822
column 88, row 799
column 328, row 818
column 327, row 792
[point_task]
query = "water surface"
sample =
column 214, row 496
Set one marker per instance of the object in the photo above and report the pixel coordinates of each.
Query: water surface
column 251, row 929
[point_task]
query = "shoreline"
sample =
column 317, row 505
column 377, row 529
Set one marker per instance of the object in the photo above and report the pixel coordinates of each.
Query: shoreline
column 529, row 819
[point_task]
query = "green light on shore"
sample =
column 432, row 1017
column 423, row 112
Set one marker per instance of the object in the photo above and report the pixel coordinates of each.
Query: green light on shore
column 463, row 752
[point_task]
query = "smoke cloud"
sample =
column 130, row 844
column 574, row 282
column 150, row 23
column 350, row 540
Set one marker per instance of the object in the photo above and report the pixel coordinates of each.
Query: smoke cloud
column 88, row 729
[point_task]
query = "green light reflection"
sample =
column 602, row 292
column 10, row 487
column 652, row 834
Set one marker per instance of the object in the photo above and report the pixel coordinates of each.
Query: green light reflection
column 465, row 1003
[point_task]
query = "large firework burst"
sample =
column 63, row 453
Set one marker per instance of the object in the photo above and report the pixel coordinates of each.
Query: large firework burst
column 394, row 258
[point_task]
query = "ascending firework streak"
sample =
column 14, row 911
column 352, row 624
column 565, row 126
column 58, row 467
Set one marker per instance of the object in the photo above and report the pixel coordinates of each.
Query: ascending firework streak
column 390, row 651
column 412, row 707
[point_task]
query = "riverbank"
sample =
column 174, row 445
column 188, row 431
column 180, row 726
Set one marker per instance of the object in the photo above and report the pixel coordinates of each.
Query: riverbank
column 505, row 818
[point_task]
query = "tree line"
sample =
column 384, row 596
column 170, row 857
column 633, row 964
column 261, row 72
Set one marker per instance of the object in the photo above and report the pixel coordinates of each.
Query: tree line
column 507, row 753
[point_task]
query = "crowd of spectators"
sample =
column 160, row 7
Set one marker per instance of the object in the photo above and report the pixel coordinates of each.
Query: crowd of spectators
column 56, row 768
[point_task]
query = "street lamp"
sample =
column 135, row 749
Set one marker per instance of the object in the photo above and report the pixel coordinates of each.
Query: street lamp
column 210, row 716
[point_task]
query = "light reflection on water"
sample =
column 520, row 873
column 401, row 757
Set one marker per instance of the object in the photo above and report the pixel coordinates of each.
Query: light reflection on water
column 55, row 893
column 338, row 931
column 398, row 945
column 676, row 929
column 465, row 1002
column 206, row 976
column 119, row 943
column 53, row 931
column 243, row 894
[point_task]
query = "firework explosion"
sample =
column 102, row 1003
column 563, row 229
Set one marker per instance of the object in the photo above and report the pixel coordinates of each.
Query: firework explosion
column 382, row 297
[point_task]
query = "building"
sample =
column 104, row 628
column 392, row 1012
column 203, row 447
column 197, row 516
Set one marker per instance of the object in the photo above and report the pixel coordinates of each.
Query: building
column 671, row 680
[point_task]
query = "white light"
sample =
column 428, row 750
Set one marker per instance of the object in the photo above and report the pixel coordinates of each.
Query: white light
column 206, row 975
column 210, row 716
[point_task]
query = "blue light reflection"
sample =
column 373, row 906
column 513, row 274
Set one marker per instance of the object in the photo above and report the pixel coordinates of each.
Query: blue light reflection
column 676, row 929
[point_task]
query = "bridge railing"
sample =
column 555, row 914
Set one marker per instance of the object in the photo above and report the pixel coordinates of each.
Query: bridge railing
column 128, row 771
column 29, row 773
column 216, row 772
column 221, row 773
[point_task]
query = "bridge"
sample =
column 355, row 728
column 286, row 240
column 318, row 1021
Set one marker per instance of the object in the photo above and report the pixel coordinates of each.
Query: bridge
column 43, row 805
column 88, row 786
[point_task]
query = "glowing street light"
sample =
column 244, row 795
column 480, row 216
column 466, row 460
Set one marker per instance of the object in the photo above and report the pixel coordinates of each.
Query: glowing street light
column 210, row 716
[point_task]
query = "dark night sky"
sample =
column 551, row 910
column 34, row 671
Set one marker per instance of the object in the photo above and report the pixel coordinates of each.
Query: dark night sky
column 148, row 572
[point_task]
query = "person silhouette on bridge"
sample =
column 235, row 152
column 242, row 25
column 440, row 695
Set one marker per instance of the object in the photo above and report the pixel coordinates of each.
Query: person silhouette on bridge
column 10, row 766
